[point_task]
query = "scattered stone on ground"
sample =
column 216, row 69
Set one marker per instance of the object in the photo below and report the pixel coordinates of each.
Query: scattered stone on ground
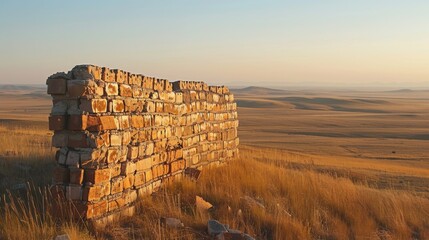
column 62, row 237
column 202, row 205
column 172, row 222
column 193, row 173
column 222, row 232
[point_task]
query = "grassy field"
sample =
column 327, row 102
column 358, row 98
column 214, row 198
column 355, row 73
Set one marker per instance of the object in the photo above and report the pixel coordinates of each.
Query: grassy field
column 330, row 165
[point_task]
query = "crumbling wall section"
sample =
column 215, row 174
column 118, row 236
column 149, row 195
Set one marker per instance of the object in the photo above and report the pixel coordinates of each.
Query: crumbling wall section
column 121, row 135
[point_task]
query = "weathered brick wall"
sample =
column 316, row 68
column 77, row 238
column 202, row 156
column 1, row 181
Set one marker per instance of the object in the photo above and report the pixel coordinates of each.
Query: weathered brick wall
column 121, row 135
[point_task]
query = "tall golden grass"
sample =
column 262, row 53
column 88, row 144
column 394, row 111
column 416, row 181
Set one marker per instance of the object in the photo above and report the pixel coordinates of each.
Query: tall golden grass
column 293, row 204
column 268, row 193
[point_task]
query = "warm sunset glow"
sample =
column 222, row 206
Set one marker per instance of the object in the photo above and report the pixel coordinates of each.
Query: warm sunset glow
column 347, row 44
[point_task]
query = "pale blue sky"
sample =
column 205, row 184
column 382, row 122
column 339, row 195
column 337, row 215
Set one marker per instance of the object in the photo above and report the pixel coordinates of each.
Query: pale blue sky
column 374, row 43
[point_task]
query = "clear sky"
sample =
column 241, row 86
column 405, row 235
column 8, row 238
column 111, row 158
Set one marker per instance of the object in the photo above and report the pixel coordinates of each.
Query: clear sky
column 330, row 43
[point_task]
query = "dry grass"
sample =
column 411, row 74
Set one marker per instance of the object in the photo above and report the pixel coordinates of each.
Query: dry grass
column 25, row 154
column 32, row 216
column 298, row 204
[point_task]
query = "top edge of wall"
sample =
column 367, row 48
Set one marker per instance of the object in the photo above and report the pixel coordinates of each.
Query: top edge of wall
column 93, row 72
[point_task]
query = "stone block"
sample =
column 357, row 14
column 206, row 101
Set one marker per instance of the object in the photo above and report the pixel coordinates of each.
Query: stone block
column 78, row 140
column 116, row 203
column 125, row 90
column 107, row 123
column 137, row 121
column 128, row 181
column 57, row 122
column 149, row 107
column 76, row 176
column 96, row 176
column 94, row 192
column 139, row 179
column 108, row 75
column 77, row 122
column 73, row 159
column 60, row 139
column 97, row 209
column 116, row 139
column 74, row 192
column 117, row 105
column 178, row 165
column 112, row 155
column 128, row 168
column 60, row 175
column 144, row 164
column 61, row 155
column 93, row 105
column 137, row 91
column 112, row 89
column 57, row 86
column 133, row 152
column 130, row 196
column 120, row 76
column 86, row 72
column 79, row 88
column 117, row 185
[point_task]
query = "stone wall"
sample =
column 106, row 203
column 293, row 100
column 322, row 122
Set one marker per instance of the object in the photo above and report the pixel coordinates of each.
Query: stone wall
column 121, row 135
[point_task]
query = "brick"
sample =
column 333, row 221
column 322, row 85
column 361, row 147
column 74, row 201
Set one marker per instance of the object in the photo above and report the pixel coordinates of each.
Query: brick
column 128, row 168
column 147, row 121
column 76, row 176
column 124, row 122
column 74, row 192
column 59, row 140
column 130, row 196
column 60, row 175
column 148, row 82
column 116, row 139
column 159, row 170
column 117, row 185
column 137, row 92
column 61, row 155
column 99, row 139
column 57, row 85
column 78, row 88
column 86, row 72
column 95, row 176
column 149, row 107
column 139, row 179
column 126, row 138
column 94, row 193
column 78, row 140
column 112, row 155
column 93, row 105
column 144, row 164
column 107, row 123
column 125, row 90
column 57, row 122
column 137, row 121
column 133, row 152
column 116, row 203
column 111, row 89
column 159, row 107
column 108, row 75
column 120, row 76
column 149, row 148
column 77, row 122
column 73, row 159
column 128, row 181
column 117, row 105
column 97, row 209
